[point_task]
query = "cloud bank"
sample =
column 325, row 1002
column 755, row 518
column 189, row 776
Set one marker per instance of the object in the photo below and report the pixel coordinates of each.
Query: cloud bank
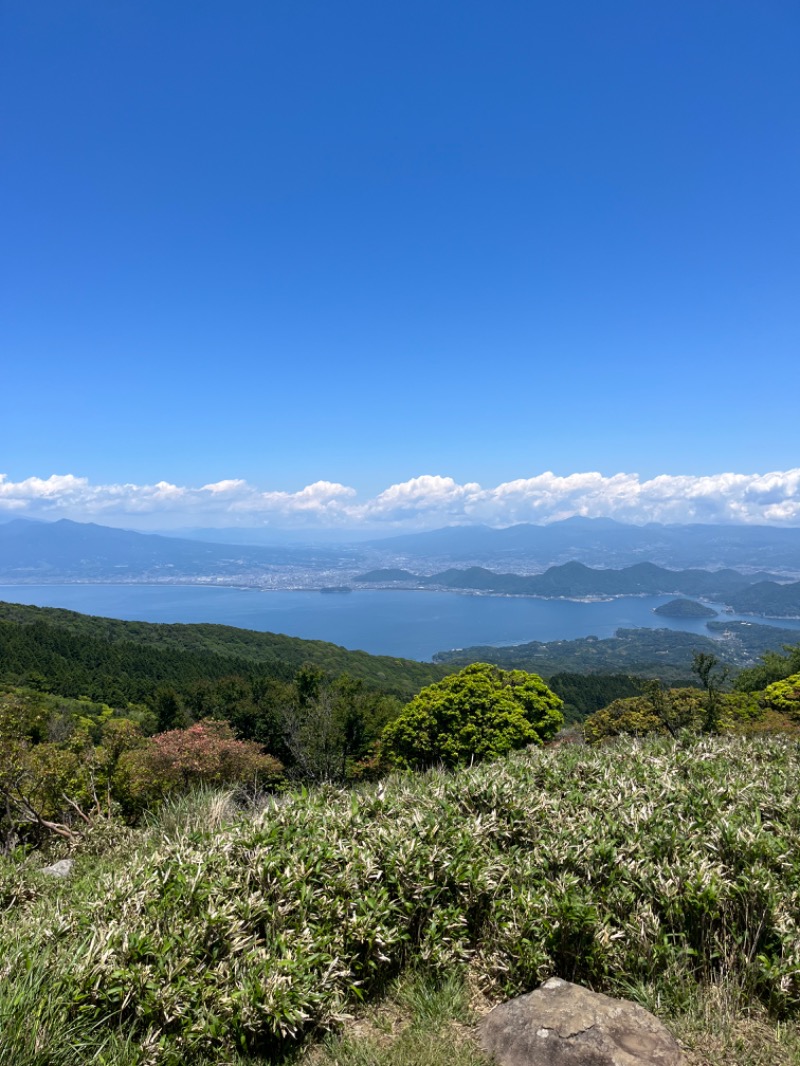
column 421, row 503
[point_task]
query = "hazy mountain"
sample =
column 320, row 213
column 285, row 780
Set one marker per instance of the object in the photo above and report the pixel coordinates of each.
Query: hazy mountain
column 72, row 551
column 269, row 536
column 606, row 542
column 33, row 551
column 769, row 599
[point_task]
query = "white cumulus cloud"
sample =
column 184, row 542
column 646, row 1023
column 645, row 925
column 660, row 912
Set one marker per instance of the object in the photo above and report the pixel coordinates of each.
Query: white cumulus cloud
column 420, row 503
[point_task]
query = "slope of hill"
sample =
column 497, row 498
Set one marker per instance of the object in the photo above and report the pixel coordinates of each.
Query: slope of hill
column 229, row 937
column 663, row 653
column 770, row 599
column 41, row 551
column 93, row 652
column 684, row 609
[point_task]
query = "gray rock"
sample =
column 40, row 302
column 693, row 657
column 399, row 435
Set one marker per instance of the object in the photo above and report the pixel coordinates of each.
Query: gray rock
column 62, row 868
column 561, row 1024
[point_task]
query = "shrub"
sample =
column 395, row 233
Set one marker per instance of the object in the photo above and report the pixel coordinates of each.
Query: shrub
column 479, row 713
column 684, row 708
column 205, row 753
column 646, row 863
column 784, row 696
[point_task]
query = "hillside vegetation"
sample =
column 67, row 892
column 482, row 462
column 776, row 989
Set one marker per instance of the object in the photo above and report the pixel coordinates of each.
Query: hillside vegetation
column 82, row 697
column 658, row 867
column 575, row 580
column 662, row 653
column 106, row 658
column 205, row 927
column 684, row 609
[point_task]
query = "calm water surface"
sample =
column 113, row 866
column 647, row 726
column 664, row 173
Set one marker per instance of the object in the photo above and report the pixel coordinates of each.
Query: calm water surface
column 413, row 625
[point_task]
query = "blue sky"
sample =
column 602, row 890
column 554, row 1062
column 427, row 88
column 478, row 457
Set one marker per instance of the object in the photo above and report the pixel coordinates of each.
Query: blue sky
column 360, row 244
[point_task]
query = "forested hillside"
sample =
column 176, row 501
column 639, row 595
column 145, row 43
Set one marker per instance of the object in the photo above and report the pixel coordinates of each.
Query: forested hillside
column 575, row 580
column 108, row 659
column 664, row 653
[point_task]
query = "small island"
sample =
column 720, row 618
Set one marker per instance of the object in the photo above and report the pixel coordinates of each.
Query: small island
column 684, row 609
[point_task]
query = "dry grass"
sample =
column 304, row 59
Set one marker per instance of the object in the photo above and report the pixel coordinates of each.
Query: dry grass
column 419, row 1025
column 721, row 1028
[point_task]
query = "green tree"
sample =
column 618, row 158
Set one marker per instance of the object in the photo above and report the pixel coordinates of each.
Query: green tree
column 329, row 726
column 712, row 678
column 169, row 709
column 479, row 713
column 660, row 701
column 657, row 710
column 773, row 667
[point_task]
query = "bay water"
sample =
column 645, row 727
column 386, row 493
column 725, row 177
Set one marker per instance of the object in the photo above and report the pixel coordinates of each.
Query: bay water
column 408, row 624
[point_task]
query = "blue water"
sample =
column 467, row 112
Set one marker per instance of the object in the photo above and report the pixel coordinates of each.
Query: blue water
column 412, row 625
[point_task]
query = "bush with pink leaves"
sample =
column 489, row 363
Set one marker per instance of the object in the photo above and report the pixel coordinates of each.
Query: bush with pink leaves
column 205, row 753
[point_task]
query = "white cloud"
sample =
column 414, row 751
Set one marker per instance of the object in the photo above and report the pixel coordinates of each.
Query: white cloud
column 230, row 485
column 57, row 486
column 421, row 502
column 420, row 495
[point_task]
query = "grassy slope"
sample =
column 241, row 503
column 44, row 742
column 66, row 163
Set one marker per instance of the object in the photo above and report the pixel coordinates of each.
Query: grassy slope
column 654, row 870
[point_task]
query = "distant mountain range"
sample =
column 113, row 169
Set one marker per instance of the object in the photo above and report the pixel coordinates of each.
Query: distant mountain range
column 46, row 551
column 634, row 559
column 602, row 541
column 747, row 593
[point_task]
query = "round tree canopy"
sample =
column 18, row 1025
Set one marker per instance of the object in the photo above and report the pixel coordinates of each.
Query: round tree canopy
column 479, row 713
column 784, row 696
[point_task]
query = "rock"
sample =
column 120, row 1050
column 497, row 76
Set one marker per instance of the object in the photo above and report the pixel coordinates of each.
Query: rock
column 62, row 868
column 561, row 1024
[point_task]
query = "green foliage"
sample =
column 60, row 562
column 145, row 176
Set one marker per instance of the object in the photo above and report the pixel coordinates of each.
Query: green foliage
column 66, row 763
column 479, row 713
column 585, row 693
column 119, row 662
column 785, row 696
column 773, row 667
column 681, row 708
column 279, row 692
column 712, row 677
column 634, row 716
column 330, row 728
column 671, row 866
column 58, row 759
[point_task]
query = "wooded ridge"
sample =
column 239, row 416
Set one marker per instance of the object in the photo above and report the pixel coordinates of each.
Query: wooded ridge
column 758, row 593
